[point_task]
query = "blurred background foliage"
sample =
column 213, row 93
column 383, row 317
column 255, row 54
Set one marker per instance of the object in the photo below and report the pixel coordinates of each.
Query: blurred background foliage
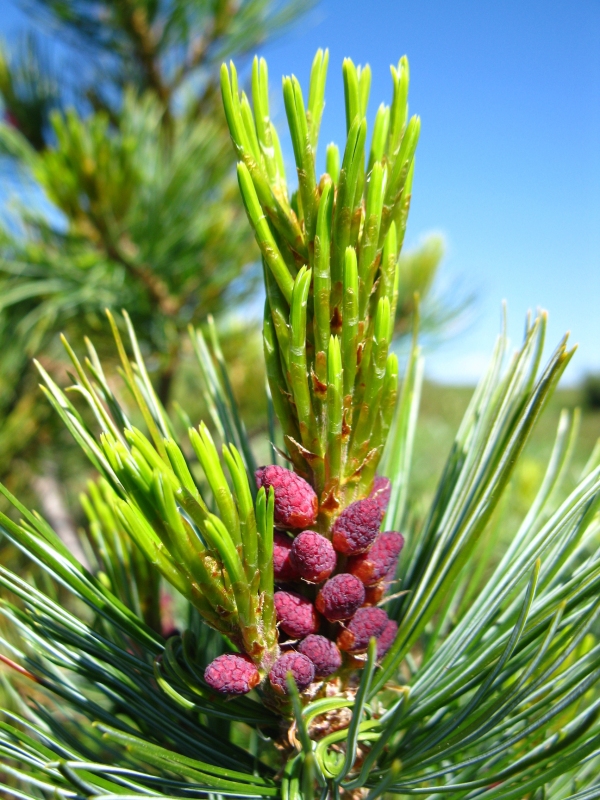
column 591, row 392
column 130, row 197
column 127, row 199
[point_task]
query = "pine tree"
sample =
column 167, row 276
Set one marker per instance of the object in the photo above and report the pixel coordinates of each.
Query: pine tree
column 130, row 197
column 451, row 670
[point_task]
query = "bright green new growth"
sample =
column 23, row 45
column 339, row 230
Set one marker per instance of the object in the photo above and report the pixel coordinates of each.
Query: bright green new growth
column 490, row 689
column 330, row 253
column 220, row 562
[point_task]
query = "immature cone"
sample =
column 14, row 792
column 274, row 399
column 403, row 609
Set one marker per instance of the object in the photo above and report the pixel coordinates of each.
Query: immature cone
column 313, row 556
column 386, row 638
column 323, row 653
column 379, row 561
column 381, row 492
column 296, row 504
column 232, row 674
column 283, row 567
column 340, row 597
column 357, row 526
column 367, row 622
column 301, row 667
column 296, row 615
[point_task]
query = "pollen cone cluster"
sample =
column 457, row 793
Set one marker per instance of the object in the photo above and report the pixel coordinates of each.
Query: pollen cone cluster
column 324, row 613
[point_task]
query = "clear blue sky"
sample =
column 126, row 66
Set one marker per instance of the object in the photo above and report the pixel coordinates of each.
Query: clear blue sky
column 508, row 165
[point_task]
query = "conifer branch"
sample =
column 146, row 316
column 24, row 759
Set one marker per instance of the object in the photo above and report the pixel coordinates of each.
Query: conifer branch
column 321, row 657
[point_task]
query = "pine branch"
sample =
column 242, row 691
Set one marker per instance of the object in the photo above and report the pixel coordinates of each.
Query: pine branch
column 479, row 679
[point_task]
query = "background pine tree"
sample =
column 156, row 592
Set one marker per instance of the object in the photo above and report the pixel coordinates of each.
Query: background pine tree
column 129, row 198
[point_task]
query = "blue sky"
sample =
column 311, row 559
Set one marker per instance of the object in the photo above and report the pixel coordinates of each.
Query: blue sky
column 508, row 165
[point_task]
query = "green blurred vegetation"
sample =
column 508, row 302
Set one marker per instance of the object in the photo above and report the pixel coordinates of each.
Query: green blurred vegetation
column 591, row 392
